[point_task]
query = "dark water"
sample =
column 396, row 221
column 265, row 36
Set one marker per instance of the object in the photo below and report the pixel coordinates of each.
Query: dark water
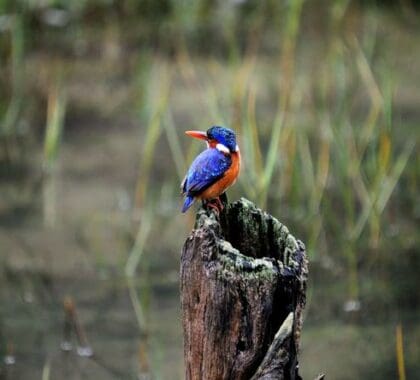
column 83, row 256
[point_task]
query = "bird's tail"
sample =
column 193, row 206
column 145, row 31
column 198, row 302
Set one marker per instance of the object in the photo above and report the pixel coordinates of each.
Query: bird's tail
column 188, row 202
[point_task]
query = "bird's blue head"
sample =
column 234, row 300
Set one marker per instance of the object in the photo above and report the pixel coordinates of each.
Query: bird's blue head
column 223, row 136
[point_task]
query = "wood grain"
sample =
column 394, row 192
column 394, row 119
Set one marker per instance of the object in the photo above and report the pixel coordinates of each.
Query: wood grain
column 243, row 276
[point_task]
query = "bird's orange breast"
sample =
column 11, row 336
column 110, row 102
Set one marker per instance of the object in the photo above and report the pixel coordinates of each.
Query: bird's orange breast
column 228, row 179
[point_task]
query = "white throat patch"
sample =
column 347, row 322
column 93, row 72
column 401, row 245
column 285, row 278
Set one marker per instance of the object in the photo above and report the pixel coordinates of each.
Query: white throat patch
column 222, row 148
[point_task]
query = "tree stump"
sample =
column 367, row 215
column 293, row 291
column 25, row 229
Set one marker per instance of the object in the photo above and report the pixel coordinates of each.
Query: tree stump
column 243, row 284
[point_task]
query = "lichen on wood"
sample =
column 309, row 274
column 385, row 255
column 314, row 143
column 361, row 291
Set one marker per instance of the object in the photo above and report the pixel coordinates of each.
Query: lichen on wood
column 243, row 275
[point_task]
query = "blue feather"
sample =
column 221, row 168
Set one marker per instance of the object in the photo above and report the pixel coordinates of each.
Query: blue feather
column 206, row 169
column 188, row 203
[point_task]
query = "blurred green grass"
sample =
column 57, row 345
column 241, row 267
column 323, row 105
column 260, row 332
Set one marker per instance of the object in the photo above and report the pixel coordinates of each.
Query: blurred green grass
column 322, row 97
column 321, row 145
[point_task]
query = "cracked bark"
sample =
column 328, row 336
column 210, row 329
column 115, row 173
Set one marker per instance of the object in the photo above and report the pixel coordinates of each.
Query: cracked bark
column 243, row 283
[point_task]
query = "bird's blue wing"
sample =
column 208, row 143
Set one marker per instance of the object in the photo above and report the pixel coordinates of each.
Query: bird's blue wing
column 205, row 170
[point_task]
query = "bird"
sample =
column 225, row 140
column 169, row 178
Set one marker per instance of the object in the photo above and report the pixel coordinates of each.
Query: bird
column 214, row 169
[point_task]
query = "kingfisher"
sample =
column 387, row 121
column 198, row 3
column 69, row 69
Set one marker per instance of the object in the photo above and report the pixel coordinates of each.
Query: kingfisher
column 214, row 169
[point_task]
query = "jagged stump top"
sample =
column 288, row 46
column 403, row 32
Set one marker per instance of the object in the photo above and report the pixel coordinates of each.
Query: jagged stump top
column 250, row 233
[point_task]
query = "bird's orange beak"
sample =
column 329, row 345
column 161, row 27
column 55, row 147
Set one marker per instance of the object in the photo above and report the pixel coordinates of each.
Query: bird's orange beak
column 197, row 134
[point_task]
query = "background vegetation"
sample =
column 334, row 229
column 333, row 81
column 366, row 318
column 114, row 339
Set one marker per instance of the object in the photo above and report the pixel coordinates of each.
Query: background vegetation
column 95, row 96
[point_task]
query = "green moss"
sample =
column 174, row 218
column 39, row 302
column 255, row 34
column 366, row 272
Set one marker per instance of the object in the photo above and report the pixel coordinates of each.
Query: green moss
column 233, row 262
column 204, row 220
column 259, row 227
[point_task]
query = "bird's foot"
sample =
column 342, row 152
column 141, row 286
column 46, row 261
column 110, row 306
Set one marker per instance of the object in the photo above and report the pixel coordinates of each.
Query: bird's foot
column 224, row 199
column 215, row 204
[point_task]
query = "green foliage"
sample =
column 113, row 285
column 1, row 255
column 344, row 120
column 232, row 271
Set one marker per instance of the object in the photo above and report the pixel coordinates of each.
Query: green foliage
column 54, row 127
column 317, row 158
column 319, row 139
column 15, row 31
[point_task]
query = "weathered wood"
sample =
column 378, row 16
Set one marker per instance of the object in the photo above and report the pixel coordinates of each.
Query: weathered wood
column 243, row 282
